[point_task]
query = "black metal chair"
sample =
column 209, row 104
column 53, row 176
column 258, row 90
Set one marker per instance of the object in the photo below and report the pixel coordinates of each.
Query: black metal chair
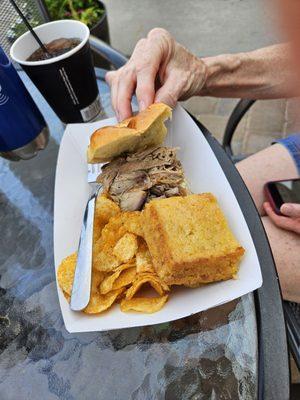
column 292, row 310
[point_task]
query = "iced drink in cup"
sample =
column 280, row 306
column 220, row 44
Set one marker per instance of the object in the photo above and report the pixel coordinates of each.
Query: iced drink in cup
column 67, row 78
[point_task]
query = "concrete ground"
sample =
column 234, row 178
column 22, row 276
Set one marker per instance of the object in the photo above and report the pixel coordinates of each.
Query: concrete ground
column 206, row 27
column 210, row 27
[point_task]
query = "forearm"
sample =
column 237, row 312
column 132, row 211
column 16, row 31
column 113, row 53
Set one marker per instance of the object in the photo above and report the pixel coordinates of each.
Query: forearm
column 261, row 74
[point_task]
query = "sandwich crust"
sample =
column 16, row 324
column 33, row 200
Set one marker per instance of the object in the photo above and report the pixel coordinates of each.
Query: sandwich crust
column 136, row 133
column 190, row 241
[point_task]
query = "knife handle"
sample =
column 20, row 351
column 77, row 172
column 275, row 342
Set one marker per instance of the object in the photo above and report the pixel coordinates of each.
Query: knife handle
column 82, row 279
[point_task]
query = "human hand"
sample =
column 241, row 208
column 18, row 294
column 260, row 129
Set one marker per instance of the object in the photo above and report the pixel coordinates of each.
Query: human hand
column 290, row 220
column 158, row 57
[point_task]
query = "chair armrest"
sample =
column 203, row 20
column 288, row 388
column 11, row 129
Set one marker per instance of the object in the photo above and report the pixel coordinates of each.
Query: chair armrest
column 237, row 114
column 114, row 57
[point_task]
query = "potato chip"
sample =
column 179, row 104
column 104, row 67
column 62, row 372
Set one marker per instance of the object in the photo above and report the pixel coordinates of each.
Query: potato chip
column 97, row 247
column 105, row 261
column 132, row 222
column 123, row 276
column 143, row 304
column 67, row 297
column 126, row 247
column 125, row 279
column 65, row 273
column 154, row 276
column 143, row 259
column 103, row 258
column 113, row 231
column 98, row 226
column 99, row 303
column 143, row 279
column 104, row 210
column 118, row 226
column 97, row 278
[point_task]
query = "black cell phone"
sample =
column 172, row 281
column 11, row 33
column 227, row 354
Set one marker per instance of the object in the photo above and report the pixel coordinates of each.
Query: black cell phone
column 284, row 191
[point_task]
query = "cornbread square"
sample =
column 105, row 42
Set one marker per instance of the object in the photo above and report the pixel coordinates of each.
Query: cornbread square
column 190, row 241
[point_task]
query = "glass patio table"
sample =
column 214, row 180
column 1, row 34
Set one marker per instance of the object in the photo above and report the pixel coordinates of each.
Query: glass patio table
column 235, row 351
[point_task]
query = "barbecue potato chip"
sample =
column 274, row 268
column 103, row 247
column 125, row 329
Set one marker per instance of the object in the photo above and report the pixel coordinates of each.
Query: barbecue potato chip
column 141, row 280
column 105, row 261
column 125, row 279
column 143, row 259
column 123, row 276
column 132, row 222
column 99, row 303
column 97, row 278
column 97, row 247
column 126, row 247
column 117, row 226
column 143, row 304
column 104, row 246
column 113, row 231
column 103, row 257
column 65, row 273
column 120, row 258
column 67, row 297
column 104, row 210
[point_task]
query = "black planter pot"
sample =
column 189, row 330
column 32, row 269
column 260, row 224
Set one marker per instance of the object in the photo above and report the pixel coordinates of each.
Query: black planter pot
column 101, row 31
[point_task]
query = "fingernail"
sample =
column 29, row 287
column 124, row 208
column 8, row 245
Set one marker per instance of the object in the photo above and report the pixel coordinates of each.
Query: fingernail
column 286, row 208
column 142, row 105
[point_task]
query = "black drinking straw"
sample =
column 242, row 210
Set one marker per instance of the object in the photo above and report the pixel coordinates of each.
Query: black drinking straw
column 26, row 22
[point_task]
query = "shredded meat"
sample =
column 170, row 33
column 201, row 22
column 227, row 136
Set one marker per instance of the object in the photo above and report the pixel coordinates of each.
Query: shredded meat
column 132, row 180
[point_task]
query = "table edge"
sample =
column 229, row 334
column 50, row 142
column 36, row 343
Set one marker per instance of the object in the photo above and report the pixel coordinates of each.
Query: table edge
column 273, row 366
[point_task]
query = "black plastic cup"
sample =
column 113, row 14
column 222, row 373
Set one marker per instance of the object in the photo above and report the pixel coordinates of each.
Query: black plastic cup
column 68, row 81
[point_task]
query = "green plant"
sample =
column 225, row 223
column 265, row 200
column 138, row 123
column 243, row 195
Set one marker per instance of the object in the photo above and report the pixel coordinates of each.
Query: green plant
column 87, row 11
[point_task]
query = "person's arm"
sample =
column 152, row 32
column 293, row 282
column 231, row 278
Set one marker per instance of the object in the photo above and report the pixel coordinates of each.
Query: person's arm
column 261, row 74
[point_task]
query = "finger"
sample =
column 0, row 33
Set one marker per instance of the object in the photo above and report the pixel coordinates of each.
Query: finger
column 286, row 223
column 277, row 219
column 145, row 87
column 126, row 87
column 168, row 93
column 109, row 76
column 148, row 56
column 291, row 210
column 112, row 79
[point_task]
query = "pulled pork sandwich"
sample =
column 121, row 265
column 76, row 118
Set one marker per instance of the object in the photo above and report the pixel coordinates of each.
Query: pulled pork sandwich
column 139, row 168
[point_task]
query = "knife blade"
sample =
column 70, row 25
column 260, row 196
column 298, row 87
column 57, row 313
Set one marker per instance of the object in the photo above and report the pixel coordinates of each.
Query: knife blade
column 82, row 279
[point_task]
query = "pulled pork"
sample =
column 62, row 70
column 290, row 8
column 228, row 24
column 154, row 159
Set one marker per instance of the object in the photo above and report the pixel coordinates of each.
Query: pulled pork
column 134, row 179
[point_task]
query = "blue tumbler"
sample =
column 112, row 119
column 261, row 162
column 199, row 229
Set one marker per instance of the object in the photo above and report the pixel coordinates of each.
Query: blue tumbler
column 23, row 130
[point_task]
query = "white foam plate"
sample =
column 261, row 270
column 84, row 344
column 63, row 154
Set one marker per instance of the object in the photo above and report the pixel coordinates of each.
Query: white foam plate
column 203, row 173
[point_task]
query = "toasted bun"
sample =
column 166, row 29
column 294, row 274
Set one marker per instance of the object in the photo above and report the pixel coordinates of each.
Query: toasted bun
column 136, row 133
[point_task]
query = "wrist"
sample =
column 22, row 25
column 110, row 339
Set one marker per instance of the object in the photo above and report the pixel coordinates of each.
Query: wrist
column 220, row 72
